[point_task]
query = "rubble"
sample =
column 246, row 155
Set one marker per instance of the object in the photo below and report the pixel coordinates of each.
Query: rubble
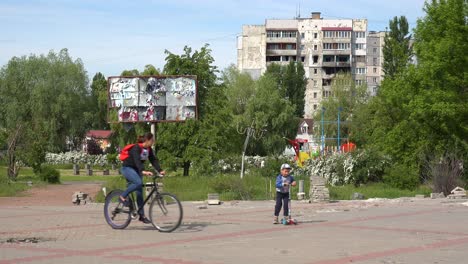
column 457, row 193
column 80, row 198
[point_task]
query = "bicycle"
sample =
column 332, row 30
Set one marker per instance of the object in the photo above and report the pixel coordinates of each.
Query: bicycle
column 119, row 216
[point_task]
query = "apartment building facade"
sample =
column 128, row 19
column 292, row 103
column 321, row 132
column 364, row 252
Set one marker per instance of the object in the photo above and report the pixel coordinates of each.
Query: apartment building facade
column 375, row 74
column 324, row 46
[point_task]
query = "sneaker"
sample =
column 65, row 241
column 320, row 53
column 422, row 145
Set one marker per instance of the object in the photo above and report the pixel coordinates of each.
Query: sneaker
column 124, row 201
column 275, row 220
column 144, row 220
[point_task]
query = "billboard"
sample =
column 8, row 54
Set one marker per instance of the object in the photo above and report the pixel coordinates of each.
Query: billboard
column 152, row 98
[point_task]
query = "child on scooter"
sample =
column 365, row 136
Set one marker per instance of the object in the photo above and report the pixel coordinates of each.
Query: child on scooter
column 283, row 182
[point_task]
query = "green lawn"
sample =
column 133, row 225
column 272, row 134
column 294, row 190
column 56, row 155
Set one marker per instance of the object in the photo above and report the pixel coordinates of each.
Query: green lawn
column 196, row 188
column 375, row 190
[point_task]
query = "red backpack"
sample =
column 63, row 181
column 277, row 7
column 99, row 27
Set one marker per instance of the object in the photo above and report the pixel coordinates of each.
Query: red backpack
column 124, row 154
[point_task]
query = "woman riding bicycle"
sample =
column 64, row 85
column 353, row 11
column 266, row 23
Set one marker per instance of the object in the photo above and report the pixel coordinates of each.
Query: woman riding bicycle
column 133, row 156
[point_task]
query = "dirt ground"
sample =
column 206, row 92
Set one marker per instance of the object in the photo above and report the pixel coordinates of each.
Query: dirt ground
column 53, row 195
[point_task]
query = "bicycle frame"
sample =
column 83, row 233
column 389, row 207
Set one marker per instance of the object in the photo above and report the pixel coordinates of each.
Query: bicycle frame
column 154, row 184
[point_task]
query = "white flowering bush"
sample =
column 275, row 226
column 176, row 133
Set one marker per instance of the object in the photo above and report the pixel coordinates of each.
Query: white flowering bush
column 77, row 157
column 357, row 167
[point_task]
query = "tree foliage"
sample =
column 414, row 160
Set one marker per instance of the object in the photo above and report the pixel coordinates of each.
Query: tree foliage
column 396, row 50
column 291, row 83
column 423, row 110
column 43, row 101
column 346, row 97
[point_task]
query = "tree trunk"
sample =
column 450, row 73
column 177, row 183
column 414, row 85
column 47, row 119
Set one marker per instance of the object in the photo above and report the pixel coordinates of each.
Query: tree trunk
column 13, row 169
column 186, row 168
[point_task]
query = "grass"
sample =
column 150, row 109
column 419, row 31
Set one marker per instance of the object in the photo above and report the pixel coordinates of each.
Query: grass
column 196, row 188
column 14, row 188
column 375, row 190
column 229, row 186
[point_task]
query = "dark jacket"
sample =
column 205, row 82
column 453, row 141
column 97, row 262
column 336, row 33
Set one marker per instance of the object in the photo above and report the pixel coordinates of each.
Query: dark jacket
column 135, row 161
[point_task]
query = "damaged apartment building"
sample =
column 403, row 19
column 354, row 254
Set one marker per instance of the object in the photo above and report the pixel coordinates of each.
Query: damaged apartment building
column 324, row 46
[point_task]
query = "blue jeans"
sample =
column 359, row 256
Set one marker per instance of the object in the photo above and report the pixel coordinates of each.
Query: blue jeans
column 282, row 198
column 135, row 184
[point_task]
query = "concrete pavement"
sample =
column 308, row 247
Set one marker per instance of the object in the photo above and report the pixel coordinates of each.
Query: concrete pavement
column 374, row 231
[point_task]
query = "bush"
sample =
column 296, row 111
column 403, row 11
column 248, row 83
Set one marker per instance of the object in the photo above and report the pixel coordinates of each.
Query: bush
column 402, row 176
column 369, row 166
column 49, row 174
column 235, row 187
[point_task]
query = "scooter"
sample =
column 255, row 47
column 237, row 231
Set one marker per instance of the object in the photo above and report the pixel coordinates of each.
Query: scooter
column 290, row 220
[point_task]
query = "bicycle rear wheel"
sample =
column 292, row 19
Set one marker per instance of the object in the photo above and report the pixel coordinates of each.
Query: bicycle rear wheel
column 117, row 215
column 166, row 212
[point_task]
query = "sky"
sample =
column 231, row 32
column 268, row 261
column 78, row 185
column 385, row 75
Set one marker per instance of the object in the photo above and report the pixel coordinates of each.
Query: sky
column 112, row 36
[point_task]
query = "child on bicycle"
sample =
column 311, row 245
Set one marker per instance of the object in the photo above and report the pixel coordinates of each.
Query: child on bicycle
column 132, row 169
column 283, row 182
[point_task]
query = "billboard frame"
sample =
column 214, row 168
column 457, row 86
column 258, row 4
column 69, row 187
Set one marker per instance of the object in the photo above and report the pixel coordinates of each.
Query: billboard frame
column 109, row 107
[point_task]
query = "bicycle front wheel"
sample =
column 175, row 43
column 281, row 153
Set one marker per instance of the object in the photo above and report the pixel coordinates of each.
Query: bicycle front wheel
column 166, row 212
column 117, row 215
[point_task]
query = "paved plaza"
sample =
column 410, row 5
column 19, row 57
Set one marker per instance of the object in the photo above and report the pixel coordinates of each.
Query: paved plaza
column 405, row 230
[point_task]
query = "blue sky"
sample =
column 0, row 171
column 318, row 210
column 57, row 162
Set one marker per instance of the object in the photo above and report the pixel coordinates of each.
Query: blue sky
column 111, row 36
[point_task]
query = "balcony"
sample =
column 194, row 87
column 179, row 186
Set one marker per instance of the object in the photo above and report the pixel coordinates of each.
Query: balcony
column 281, row 52
column 343, row 64
column 281, row 40
column 328, row 64
column 336, row 52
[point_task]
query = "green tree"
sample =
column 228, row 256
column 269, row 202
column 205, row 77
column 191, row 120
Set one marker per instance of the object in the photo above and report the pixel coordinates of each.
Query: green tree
column 43, row 102
column 422, row 111
column 268, row 110
column 150, row 70
column 396, row 50
column 196, row 142
column 98, row 102
column 346, row 97
column 291, row 82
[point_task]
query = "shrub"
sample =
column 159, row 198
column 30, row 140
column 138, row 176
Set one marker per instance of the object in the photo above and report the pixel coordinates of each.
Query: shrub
column 237, row 188
column 49, row 174
column 369, row 166
column 402, row 176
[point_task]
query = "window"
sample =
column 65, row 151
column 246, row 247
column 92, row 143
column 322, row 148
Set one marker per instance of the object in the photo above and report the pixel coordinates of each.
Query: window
column 285, row 58
column 315, row 59
column 358, row 82
column 375, row 50
column 344, row 46
column 360, row 58
column 304, row 129
column 302, row 35
column 315, row 84
column 302, row 58
column 315, row 107
column 359, row 34
column 315, row 47
column 360, row 46
column 315, row 71
column 374, row 60
column 315, row 95
column 360, row 71
column 375, row 70
column 315, row 35
column 302, row 47
column 273, row 58
column 374, row 79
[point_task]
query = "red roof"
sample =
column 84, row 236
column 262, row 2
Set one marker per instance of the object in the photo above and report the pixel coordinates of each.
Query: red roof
column 337, row 29
column 99, row 133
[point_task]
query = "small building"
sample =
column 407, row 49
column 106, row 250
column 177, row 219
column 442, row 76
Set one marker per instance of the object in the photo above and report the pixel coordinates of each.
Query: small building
column 101, row 137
